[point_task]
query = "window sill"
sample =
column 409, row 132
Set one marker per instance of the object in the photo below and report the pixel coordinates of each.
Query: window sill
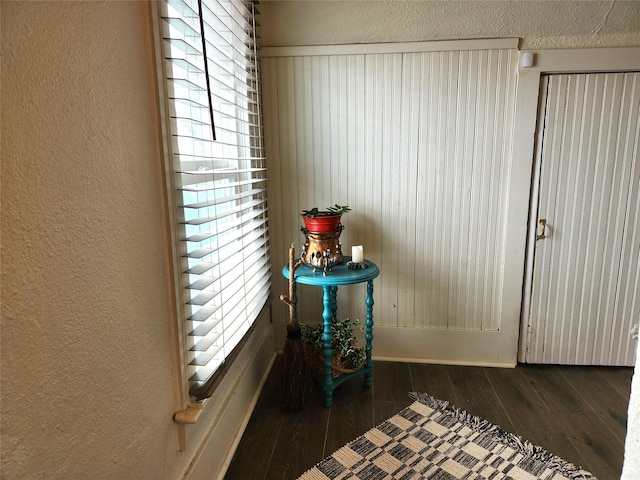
column 190, row 415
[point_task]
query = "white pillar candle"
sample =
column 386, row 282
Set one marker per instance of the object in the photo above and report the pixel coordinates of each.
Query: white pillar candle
column 357, row 254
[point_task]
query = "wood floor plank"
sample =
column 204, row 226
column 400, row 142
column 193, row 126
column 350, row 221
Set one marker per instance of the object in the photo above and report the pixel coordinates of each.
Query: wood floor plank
column 300, row 442
column 271, row 395
column 601, row 449
column 558, row 395
column 577, row 413
column 618, row 378
column 605, row 401
column 253, row 455
column 529, row 415
column 351, row 414
column 476, row 396
column 391, row 381
column 434, row 380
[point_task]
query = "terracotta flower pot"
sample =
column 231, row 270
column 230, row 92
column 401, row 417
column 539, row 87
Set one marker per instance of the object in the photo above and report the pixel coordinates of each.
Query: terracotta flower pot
column 322, row 223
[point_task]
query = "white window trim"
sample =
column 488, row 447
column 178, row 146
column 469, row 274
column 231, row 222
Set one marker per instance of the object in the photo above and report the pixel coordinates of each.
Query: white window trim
column 184, row 403
column 187, row 411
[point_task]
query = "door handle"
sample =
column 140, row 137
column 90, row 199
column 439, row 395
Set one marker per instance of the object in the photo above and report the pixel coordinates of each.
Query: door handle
column 541, row 234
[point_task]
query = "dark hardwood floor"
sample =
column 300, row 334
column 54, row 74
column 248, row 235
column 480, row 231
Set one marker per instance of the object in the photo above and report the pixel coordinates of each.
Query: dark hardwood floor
column 578, row 413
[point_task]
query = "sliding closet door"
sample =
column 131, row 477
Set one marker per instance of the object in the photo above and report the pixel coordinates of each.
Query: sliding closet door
column 586, row 270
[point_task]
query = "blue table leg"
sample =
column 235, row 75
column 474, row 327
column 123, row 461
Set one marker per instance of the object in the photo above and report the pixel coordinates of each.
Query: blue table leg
column 328, row 351
column 334, row 302
column 368, row 335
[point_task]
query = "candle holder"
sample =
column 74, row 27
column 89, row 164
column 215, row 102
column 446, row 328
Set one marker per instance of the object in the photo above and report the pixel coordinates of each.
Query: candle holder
column 357, row 265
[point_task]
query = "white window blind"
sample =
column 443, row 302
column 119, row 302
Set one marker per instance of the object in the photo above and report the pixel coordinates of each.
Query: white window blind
column 219, row 177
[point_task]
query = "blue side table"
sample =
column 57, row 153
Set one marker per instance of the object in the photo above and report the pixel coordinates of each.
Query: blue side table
column 339, row 275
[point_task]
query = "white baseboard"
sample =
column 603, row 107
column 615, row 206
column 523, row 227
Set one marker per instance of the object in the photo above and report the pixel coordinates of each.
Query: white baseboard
column 452, row 347
column 234, row 446
column 438, row 346
column 228, row 411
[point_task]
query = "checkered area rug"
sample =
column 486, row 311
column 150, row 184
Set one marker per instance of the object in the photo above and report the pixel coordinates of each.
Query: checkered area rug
column 430, row 439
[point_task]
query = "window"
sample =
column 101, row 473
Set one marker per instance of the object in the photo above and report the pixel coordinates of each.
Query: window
column 219, row 177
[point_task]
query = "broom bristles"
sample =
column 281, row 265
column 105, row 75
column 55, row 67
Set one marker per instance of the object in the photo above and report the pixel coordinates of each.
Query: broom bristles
column 296, row 378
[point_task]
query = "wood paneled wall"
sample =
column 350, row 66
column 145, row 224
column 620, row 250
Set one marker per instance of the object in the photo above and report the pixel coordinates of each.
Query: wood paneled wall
column 418, row 144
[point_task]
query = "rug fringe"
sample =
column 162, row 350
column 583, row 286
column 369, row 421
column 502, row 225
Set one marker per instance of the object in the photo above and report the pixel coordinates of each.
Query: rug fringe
column 514, row 441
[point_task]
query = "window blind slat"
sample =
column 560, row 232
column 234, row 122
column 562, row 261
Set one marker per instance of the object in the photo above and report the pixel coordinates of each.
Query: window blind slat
column 203, row 314
column 203, row 329
column 202, row 375
column 206, row 343
column 201, row 283
column 252, row 159
column 226, row 213
column 220, row 184
column 251, row 192
column 250, row 184
column 203, row 359
column 202, row 299
column 230, row 34
column 236, row 198
column 217, row 249
column 200, row 268
column 228, row 264
column 222, row 173
column 216, row 240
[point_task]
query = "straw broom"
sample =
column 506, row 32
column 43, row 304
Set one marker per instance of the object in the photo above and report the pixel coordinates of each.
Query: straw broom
column 296, row 378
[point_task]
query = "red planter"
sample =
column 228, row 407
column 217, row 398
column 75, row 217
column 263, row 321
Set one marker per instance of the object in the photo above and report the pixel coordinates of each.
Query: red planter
column 322, row 223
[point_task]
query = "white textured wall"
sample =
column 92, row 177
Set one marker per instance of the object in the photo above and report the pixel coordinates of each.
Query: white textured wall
column 89, row 368
column 86, row 354
column 540, row 24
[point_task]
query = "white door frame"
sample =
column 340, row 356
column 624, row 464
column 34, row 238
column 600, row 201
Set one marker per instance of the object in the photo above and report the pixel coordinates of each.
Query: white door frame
column 526, row 118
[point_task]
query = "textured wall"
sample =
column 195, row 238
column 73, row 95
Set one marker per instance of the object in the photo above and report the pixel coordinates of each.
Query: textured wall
column 540, row 24
column 86, row 355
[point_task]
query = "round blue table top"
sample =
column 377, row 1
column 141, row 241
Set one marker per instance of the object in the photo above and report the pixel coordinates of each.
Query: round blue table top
column 339, row 275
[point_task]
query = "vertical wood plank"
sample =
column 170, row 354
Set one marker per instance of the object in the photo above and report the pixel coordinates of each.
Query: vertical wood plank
column 409, row 143
column 417, row 144
column 587, row 167
column 390, row 184
column 621, row 350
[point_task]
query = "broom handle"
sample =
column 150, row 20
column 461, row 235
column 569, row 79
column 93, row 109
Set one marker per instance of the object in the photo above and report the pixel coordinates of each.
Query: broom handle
column 293, row 266
column 292, row 281
column 290, row 301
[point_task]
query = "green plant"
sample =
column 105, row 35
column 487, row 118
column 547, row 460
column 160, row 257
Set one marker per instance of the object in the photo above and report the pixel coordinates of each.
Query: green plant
column 335, row 210
column 342, row 339
column 339, row 209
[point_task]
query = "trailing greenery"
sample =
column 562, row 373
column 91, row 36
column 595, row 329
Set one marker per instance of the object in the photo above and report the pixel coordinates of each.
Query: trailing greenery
column 335, row 210
column 342, row 339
